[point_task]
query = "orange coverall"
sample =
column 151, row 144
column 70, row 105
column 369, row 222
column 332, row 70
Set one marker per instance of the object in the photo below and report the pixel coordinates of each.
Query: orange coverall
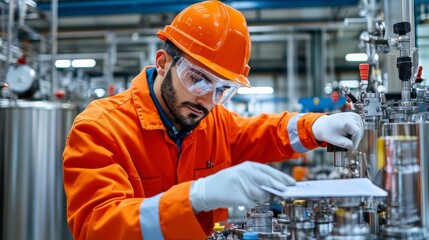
column 126, row 179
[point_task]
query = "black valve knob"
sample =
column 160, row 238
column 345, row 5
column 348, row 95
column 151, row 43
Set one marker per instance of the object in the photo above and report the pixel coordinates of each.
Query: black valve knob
column 404, row 66
column 402, row 28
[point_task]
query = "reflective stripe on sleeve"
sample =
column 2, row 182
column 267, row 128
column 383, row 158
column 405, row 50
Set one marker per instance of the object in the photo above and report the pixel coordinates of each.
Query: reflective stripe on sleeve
column 292, row 129
column 149, row 218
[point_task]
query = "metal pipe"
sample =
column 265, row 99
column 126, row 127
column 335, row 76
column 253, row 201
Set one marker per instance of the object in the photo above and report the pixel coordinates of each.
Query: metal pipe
column 3, row 22
column 252, row 30
column 111, row 60
column 371, row 15
column 10, row 23
column 3, row 57
column 331, row 58
column 406, row 92
column 323, row 57
column 280, row 37
column 152, row 53
column 408, row 16
column 54, row 45
column 308, row 67
column 291, row 76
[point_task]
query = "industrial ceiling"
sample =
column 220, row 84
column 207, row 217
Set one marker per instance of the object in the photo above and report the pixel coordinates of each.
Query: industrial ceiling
column 88, row 27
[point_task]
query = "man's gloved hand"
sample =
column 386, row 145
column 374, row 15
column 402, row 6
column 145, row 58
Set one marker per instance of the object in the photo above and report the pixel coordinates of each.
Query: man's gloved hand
column 237, row 186
column 341, row 129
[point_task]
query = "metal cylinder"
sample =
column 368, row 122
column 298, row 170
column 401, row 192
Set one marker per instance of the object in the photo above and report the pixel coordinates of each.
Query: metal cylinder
column 371, row 215
column 402, row 180
column 408, row 16
column 401, row 173
column 301, row 226
column 259, row 219
column 32, row 138
column 349, row 221
column 341, row 159
column 323, row 218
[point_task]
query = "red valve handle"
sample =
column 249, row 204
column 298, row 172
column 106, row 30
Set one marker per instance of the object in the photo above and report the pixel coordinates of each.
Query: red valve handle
column 364, row 69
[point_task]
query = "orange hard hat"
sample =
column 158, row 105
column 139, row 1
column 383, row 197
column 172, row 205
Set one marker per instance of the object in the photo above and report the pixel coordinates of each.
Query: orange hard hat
column 215, row 35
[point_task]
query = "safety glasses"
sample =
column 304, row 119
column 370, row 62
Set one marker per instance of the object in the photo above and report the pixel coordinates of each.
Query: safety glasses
column 200, row 82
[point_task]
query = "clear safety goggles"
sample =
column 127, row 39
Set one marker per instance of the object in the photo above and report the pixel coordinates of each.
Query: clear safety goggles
column 200, row 82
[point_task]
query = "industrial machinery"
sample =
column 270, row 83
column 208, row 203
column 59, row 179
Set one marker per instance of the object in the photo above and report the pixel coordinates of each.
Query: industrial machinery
column 32, row 138
column 393, row 154
column 404, row 214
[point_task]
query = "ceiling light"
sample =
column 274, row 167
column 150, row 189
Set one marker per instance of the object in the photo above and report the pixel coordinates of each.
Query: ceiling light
column 62, row 64
column 83, row 63
column 255, row 90
column 99, row 92
column 356, row 57
column 350, row 83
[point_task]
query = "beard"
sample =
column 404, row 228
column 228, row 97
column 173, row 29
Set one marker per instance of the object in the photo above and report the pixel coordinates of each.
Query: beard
column 170, row 97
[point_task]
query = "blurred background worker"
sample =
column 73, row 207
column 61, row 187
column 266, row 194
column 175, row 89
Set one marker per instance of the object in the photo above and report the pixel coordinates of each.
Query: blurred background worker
column 163, row 159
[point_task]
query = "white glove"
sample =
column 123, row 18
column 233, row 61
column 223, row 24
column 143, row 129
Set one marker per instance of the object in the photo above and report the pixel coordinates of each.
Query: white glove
column 337, row 129
column 239, row 185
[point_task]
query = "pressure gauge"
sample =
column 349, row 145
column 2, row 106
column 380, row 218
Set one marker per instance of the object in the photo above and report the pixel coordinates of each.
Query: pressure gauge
column 21, row 79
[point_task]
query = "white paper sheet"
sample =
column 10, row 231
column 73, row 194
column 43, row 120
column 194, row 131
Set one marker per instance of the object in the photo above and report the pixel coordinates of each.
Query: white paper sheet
column 353, row 187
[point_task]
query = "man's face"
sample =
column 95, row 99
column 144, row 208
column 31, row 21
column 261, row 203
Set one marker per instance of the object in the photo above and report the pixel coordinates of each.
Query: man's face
column 187, row 110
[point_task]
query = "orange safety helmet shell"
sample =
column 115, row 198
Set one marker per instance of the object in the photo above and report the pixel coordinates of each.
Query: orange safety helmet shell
column 215, row 35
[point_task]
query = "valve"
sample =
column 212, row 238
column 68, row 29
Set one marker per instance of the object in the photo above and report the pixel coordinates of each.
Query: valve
column 401, row 28
column 364, row 75
column 404, row 66
column 419, row 78
column 364, row 71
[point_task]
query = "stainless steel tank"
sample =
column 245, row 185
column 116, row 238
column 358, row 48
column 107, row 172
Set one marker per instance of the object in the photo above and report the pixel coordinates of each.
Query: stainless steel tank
column 405, row 175
column 32, row 138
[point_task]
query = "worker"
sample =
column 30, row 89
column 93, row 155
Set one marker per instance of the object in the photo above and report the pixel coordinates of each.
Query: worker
column 165, row 158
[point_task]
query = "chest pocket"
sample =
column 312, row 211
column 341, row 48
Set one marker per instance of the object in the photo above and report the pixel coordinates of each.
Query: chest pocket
column 199, row 173
column 152, row 186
